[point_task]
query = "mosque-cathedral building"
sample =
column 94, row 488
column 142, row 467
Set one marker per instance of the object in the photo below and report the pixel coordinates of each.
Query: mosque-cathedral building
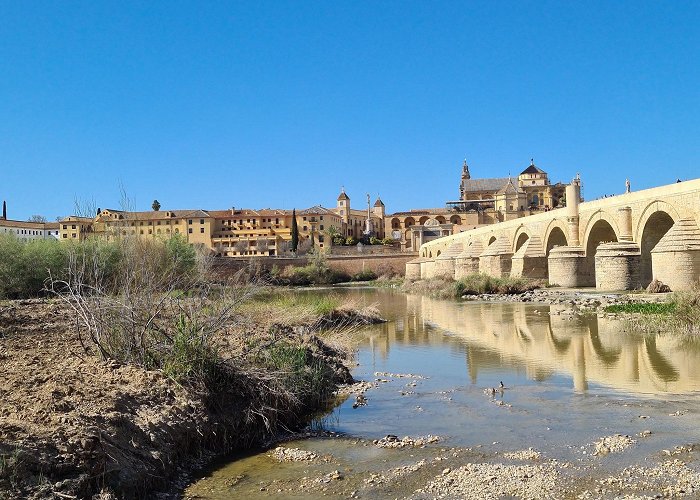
column 247, row 232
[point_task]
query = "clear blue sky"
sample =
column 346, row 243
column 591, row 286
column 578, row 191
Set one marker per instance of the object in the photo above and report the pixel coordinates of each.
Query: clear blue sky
column 279, row 104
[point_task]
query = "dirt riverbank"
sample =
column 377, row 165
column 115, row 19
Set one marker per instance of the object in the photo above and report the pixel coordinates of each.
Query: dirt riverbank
column 74, row 426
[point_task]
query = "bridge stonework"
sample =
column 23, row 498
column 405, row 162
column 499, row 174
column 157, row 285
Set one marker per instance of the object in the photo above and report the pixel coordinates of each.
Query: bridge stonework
column 616, row 243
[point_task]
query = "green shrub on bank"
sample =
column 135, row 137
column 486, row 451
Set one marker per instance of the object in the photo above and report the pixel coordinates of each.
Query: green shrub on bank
column 311, row 380
column 191, row 356
column 643, row 308
column 477, row 284
column 364, row 275
column 313, row 275
column 25, row 266
column 318, row 305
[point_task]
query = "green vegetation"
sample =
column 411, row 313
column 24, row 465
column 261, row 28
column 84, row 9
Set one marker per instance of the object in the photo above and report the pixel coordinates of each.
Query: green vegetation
column 474, row 284
column 302, row 303
column 643, row 308
column 316, row 272
column 191, row 356
column 364, row 275
column 25, row 266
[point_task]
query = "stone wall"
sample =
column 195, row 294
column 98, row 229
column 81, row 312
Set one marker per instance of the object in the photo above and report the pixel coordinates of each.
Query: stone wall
column 380, row 264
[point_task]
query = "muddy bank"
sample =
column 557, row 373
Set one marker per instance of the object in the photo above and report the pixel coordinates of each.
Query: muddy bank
column 73, row 426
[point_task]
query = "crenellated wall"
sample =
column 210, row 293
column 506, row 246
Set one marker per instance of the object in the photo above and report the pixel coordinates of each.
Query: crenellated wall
column 563, row 245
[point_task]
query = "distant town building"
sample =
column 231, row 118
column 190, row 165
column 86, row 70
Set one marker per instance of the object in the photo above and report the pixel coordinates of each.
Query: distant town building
column 246, row 232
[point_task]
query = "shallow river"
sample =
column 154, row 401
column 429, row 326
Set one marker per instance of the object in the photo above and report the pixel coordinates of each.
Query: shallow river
column 569, row 380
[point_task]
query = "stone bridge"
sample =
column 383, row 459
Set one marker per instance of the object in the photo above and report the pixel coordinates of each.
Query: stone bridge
column 617, row 243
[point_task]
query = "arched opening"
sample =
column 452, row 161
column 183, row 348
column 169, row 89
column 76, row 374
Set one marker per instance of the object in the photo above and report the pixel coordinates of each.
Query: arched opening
column 556, row 238
column 430, row 255
column 408, row 222
column 440, row 219
column 438, row 253
column 456, row 219
column 492, row 239
column 521, row 241
column 395, row 223
column 601, row 232
column 423, row 219
column 655, row 228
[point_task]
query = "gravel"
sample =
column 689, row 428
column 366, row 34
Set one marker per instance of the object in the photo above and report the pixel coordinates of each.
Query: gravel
column 494, row 481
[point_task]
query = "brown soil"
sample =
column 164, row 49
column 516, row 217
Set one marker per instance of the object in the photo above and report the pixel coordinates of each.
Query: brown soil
column 72, row 425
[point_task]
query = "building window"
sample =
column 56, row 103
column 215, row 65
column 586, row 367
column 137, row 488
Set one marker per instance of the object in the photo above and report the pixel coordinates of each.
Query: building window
column 65, row 235
column 321, row 226
column 201, row 230
column 189, row 222
column 189, row 230
column 73, row 235
column 73, row 226
column 201, row 221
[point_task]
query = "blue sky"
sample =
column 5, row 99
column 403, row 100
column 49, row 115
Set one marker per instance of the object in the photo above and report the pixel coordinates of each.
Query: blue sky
column 279, row 104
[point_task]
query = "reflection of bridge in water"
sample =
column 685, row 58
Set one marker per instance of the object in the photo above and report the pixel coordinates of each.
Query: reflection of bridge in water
column 526, row 337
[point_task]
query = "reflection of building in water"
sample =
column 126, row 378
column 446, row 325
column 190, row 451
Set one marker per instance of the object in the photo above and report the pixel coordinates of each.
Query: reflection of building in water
column 589, row 349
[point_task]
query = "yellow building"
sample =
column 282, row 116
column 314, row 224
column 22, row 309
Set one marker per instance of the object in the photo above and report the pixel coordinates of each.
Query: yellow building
column 482, row 201
column 235, row 232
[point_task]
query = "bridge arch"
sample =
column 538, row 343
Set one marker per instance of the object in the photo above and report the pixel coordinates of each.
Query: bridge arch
column 655, row 221
column 555, row 236
column 592, row 223
column 600, row 230
column 520, row 238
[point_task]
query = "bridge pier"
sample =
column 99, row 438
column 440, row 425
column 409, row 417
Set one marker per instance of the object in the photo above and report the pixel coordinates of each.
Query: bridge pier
column 427, row 269
column 617, row 266
column 530, row 260
column 467, row 262
column 445, row 263
column 567, row 267
column 675, row 260
column 413, row 268
column 497, row 259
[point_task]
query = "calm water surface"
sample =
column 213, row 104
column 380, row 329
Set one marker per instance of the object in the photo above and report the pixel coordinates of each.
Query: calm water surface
column 569, row 381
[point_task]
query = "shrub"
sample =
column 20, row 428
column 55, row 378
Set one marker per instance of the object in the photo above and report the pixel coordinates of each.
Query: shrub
column 388, row 241
column 476, row 284
column 364, row 275
column 350, row 241
column 25, row 266
column 642, row 308
column 375, row 241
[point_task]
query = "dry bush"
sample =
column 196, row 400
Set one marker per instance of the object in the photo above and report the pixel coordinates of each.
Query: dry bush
column 148, row 303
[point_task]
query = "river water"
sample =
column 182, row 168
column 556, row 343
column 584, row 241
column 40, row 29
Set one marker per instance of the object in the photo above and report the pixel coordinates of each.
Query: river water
column 569, row 380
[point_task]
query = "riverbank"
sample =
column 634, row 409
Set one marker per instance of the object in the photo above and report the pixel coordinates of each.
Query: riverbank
column 73, row 425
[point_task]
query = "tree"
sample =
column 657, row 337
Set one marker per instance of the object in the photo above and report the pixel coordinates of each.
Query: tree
column 241, row 246
column 4, row 210
column 37, row 218
column 295, row 231
column 262, row 245
column 156, row 205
